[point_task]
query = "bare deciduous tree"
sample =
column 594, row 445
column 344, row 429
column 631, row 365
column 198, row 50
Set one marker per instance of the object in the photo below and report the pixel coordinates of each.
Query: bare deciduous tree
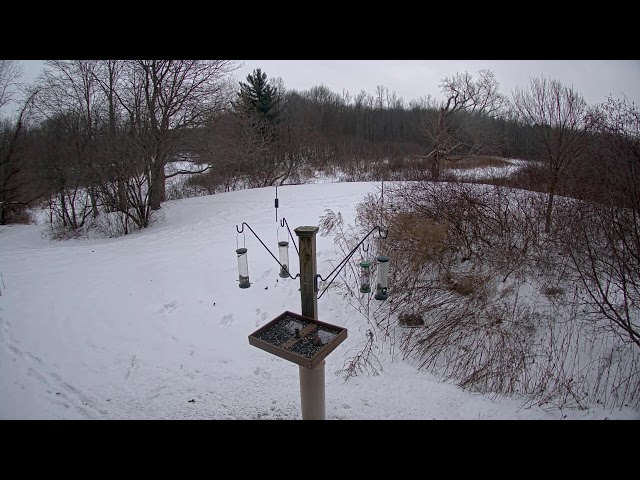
column 10, row 73
column 604, row 242
column 558, row 114
column 12, row 180
column 9, row 168
column 109, row 77
column 177, row 94
column 466, row 101
column 131, row 117
column 69, row 92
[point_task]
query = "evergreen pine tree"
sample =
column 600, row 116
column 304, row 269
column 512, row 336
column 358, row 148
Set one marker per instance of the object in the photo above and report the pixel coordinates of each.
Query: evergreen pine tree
column 257, row 96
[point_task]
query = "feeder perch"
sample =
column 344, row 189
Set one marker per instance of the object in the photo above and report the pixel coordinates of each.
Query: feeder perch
column 283, row 250
column 383, row 271
column 365, row 276
column 299, row 339
column 243, row 268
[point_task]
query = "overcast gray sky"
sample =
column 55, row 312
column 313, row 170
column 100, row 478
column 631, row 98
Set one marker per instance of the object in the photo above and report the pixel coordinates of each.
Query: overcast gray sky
column 412, row 79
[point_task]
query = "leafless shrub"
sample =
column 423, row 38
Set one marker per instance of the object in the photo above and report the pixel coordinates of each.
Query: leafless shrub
column 20, row 214
column 605, row 254
column 486, row 350
column 209, row 183
column 502, row 311
column 116, row 224
column 361, row 359
column 346, row 239
column 58, row 231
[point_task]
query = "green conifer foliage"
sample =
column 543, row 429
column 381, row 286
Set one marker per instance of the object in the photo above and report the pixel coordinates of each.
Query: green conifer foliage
column 258, row 96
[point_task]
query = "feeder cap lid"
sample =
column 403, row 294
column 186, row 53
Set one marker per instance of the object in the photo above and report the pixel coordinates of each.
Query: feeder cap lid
column 365, row 263
column 241, row 251
column 283, row 243
column 382, row 258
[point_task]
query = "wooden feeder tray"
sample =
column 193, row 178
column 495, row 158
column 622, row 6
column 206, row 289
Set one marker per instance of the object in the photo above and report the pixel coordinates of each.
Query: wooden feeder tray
column 299, row 339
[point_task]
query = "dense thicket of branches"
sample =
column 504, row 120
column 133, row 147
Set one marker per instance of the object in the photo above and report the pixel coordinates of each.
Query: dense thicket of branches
column 604, row 237
column 101, row 133
column 559, row 113
column 480, row 295
column 101, row 136
column 365, row 136
column 15, row 189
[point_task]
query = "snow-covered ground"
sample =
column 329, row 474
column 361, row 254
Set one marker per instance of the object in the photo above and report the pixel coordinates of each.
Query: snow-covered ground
column 487, row 172
column 153, row 325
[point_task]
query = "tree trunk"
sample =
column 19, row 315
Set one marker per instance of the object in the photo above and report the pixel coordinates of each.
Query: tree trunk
column 3, row 188
column 158, row 191
column 435, row 167
column 122, row 196
column 549, row 211
column 94, row 202
column 63, row 208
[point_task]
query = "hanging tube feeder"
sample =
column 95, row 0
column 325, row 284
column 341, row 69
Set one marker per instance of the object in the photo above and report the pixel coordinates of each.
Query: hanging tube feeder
column 365, row 276
column 243, row 268
column 283, row 250
column 383, row 272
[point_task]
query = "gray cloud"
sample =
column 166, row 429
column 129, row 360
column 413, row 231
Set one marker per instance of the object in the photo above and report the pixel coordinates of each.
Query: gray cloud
column 412, row 79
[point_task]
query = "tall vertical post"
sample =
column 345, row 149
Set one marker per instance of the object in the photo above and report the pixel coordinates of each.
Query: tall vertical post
column 308, row 270
column 312, row 398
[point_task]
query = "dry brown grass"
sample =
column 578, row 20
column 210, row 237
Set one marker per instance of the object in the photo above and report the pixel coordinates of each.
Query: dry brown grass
column 466, row 284
column 423, row 237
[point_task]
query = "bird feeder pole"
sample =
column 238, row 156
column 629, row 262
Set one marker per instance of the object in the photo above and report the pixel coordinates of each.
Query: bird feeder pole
column 311, row 368
column 312, row 397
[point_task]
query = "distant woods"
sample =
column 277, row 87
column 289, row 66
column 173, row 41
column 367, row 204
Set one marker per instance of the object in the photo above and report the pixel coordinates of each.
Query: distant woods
column 96, row 137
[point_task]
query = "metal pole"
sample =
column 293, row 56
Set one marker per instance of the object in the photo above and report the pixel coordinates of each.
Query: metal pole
column 312, row 392
column 312, row 398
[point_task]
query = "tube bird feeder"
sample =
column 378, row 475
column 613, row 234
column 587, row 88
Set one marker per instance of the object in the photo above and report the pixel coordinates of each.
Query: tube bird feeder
column 243, row 268
column 365, row 276
column 383, row 272
column 283, row 250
